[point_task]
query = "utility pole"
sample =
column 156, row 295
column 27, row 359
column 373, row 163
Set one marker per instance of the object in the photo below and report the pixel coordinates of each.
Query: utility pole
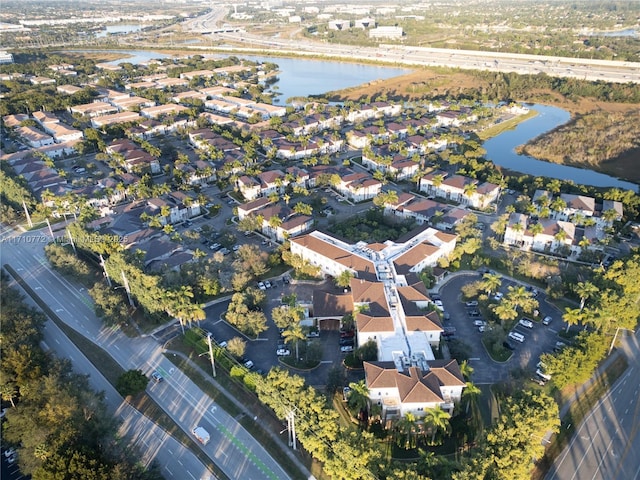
column 291, row 427
column 126, row 289
column 213, row 362
column 26, row 212
column 73, row 244
column 104, row 271
column 53, row 238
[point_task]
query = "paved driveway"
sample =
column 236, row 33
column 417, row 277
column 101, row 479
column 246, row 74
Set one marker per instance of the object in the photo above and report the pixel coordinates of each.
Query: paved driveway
column 262, row 351
column 539, row 339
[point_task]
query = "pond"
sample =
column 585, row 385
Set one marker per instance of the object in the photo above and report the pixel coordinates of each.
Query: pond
column 501, row 151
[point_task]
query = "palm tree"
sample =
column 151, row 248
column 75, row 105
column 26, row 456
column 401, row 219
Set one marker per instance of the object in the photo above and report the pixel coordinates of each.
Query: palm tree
column 359, row 396
column 573, row 316
column 466, row 369
column 471, row 393
column 491, row 282
column 519, row 297
column 406, row 430
column 439, row 420
column 505, row 310
column 294, row 333
column 470, row 189
column 8, row 393
column 536, row 229
column 585, row 290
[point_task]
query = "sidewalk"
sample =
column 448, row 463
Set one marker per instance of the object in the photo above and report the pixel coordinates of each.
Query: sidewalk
column 285, row 448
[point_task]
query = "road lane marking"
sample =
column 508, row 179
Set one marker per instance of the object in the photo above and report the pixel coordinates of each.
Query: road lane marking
column 181, row 464
column 194, row 478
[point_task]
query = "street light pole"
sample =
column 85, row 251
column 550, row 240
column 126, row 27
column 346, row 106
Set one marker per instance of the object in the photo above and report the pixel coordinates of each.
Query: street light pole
column 213, row 362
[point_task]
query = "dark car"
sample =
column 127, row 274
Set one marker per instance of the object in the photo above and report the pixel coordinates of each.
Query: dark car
column 474, row 313
column 346, row 341
column 508, row 346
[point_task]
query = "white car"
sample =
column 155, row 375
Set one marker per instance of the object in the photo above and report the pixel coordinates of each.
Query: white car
column 525, row 322
column 479, row 323
column 498, row 296
column 248, row 364
column 518, row 337
column 439, row 305
column 472, row 303
column 283, row 352
column 346, row 348
column 547, row 320
column 262, row 286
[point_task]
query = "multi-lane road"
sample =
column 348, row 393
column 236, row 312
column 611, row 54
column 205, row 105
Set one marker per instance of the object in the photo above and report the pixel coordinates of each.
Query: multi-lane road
column 580, row 68
column 231, row 448
column 606, row 445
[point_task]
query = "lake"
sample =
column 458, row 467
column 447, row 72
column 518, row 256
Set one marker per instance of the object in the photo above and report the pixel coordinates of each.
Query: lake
column 501, row 151
column 302, row 78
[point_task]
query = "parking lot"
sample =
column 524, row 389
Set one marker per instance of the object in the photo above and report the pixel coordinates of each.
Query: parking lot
column 262, row 351
column 537, row 340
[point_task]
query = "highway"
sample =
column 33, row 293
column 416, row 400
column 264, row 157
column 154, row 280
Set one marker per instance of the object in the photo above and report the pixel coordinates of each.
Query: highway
column 232, row 448
column 606, row 445
column 579, row 68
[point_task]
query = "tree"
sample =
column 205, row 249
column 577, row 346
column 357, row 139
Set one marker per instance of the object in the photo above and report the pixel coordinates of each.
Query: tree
column 521, row 298
column 359, row 395
column 303, row 208
column 491, row 282
column 131, row 382
column 585, row 290
column 466, row 370
column 344, row 279
column 438, row 419
column 9, row 392
column 237, row 347
column 294, row 333
column 385, row 198
column 471, row 392
column 505, row 311
column 406, row 428
column 573, row 316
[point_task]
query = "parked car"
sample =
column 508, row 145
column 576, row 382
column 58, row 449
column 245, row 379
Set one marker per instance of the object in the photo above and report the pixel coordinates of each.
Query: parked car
column 547, row 320
column 283, row 352
column 286, row 280
column 267, row 284
column 346, row 348
column 472, row 303
column 262, row 286
column 479, row 323
column 236, row 248
column 439, row 305
column 223, row 344
column 474, row 313
column 347, row 334
column 498, row 296
column 346, row 341
column 525, row 322
column 157, row 377
column 508, row 346
column 248, row 364
column 518, row 337
column 313, row 334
